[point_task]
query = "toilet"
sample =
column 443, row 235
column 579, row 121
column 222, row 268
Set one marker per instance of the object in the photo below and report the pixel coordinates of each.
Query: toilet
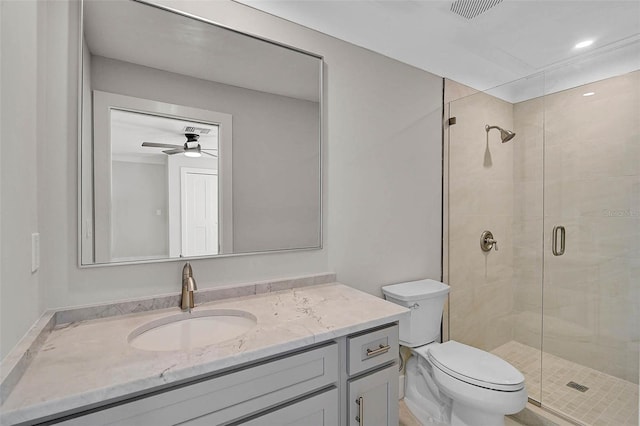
column 450, row 383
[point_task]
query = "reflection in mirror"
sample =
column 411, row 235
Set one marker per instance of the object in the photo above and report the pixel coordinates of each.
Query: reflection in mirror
column 162, row 180
column 154, row 174
column 196, row 140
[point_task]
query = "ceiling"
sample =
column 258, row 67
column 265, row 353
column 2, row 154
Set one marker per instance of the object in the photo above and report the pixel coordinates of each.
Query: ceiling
column 509, row 41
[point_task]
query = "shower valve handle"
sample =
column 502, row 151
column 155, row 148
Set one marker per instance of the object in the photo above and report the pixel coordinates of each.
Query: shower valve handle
column 487, row 242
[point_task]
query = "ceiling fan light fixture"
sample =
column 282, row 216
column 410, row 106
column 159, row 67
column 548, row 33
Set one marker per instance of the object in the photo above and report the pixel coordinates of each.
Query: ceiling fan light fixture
column 191, row 147
column 583, row 44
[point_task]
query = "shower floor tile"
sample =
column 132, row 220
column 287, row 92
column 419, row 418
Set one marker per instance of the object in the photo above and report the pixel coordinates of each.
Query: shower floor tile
column 608, row 401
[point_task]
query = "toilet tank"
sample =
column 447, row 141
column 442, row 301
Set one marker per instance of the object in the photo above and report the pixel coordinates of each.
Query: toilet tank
column 425, row 299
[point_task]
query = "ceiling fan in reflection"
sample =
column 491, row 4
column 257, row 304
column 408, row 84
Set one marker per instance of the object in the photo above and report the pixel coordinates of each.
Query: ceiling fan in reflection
column 191, row 147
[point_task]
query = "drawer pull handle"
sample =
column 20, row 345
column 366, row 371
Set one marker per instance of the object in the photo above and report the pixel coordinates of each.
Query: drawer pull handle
column 382, row 349
column 360, row 416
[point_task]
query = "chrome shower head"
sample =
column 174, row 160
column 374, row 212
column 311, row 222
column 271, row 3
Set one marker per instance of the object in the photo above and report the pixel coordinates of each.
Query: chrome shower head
column 505, row 135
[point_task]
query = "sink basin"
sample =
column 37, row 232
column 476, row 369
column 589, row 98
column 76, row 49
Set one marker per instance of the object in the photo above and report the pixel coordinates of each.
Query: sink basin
column 192, row 330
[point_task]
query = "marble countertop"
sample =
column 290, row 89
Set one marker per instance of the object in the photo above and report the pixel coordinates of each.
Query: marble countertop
column 88, row 362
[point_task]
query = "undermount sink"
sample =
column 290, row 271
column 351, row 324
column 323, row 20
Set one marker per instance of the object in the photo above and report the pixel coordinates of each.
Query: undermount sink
column 192, row 330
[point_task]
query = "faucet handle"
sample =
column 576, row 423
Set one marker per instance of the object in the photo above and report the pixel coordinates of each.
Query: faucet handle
column 187, row 271
column 191, row 284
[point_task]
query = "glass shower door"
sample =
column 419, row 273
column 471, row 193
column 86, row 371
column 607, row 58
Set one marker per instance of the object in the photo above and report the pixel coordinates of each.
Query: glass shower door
column 495, row 302
column 591, row 297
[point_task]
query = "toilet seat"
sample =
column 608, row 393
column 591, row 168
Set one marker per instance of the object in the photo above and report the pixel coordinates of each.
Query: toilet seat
column 473, row 366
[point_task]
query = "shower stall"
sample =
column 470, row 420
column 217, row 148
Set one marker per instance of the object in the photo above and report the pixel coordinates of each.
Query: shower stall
column 557, row 291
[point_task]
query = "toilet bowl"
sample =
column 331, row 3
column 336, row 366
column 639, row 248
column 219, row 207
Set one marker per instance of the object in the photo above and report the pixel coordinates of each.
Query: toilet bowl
column 451, row 383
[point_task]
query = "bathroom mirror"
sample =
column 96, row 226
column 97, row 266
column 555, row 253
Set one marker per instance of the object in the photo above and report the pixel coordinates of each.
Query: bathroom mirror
column 196, row 140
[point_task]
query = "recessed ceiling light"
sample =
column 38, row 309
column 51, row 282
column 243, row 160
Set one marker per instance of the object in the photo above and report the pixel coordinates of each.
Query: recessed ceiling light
column 583, row 44
column 589, row 94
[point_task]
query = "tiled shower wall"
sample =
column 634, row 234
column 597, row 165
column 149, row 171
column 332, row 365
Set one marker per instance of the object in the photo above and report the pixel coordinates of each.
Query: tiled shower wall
column 577, row 160
column 480, row 198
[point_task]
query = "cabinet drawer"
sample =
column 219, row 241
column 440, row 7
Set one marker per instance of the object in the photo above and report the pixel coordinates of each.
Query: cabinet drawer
column 229, row 396
column 372, row 349
column 317, row 410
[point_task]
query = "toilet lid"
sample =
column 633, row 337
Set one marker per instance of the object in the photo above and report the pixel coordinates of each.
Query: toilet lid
column 475, row 366
column 416, row 290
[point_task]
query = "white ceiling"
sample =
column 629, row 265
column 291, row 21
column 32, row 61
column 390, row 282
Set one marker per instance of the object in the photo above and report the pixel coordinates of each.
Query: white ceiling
column 512, row 40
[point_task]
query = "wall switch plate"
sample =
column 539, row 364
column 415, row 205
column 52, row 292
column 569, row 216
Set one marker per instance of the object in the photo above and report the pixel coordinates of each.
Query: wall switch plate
column 35, row 251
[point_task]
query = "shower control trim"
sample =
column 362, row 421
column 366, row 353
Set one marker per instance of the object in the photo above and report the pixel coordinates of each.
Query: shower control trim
column 487, row 242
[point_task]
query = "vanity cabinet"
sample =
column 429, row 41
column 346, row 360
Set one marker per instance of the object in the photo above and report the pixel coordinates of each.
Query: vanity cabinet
column 328, row 384
column 372, row 387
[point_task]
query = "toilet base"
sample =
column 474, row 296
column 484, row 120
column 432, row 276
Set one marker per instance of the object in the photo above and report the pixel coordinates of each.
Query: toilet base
column 422, row 397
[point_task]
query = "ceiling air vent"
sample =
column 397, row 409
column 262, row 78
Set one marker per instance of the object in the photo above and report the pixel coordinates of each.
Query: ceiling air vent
column 472, row 8
column 196, row 130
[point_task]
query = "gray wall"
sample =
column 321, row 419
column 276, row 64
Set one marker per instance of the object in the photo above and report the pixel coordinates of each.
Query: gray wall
column 384, row 170
column 382, row 176
column 273, row 206
column 19, row 73
column 139, row 191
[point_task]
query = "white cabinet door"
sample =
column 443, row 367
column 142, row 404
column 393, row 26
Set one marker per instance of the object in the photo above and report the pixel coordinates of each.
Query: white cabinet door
column 373, row 398
column 318, row 410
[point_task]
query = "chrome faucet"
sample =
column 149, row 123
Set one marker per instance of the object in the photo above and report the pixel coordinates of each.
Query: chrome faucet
column 188, row 287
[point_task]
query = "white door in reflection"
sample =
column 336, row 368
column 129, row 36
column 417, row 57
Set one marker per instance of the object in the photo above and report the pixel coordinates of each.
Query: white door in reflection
column 199, row 215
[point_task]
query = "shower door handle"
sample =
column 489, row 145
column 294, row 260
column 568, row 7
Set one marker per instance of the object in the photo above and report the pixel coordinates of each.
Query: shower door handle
column 554, row 243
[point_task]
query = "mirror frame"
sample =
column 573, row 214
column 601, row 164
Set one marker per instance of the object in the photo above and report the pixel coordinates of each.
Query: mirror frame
column 80, row 115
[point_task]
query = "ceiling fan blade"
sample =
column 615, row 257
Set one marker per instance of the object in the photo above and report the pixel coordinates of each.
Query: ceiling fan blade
column 208, row 149
column 160, row 145
column 208, row 153
column 174, row 151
